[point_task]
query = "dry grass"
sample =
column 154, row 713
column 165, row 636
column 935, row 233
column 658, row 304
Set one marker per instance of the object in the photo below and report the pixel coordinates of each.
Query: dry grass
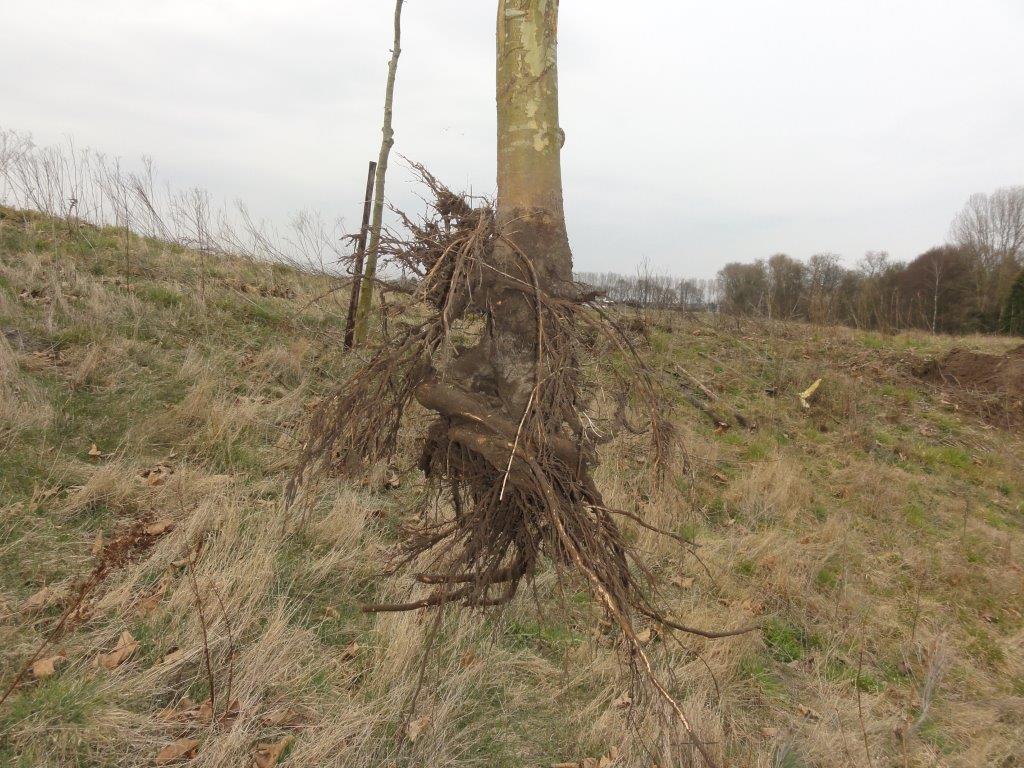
column 879, row 535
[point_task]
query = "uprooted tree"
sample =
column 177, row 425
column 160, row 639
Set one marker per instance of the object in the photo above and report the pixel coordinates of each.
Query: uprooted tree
column 497, row 360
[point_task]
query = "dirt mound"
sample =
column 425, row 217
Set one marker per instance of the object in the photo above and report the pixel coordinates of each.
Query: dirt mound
column 1001, row 375
column 992, row 384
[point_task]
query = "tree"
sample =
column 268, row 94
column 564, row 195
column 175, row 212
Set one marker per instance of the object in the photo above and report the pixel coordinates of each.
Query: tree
column 937, row 288
column 387, row 141
column 786, row 277
column 1013, row 314
column 825, row 279
column 744, row 287
column 991, row 229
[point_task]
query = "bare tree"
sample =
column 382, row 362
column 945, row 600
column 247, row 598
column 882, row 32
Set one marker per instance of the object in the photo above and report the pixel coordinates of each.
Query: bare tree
column 387, row 141
column 991, row 229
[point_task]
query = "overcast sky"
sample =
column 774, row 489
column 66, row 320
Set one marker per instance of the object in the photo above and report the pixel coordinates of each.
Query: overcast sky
column 697, row 132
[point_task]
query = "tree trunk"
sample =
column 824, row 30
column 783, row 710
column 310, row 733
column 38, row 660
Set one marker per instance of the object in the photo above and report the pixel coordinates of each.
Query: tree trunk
column 387, row 141
column 529, row 211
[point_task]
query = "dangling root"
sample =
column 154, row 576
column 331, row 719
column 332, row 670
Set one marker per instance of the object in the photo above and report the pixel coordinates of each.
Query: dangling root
column 519, row 486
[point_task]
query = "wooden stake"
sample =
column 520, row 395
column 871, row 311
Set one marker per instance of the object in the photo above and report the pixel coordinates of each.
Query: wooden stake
column 357, row 277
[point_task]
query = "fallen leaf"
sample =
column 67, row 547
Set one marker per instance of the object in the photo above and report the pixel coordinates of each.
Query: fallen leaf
column 644, row 635
column 268, row 753
column 97, row 545
column 94, row 451
column 769, row 733
column 625, row 701
column 229, row 715
column 467, row 658
column 182, row 749
column 683, row 582
column 282, row 718
column 157, row 475
column 47, row 667
column 205, row 712
column 124, row 650
column 159, row 527
column 152, row 600
column 39, row 600
column 417, row 726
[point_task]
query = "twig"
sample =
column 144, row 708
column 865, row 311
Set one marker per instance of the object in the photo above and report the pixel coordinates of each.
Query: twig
column 860, row 709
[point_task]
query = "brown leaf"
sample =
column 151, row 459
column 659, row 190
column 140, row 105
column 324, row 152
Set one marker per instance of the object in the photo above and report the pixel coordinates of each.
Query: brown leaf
column 624, row 701
column 467, row 658
column 268, row 753
column 160, row 527
column 229, row 715
column 182, row 749
column 47, row 667
column 417, row 726
column 285, row 717
column 644, row 635
column 39, row 600
column 205, row 712
column 124, row 650
column 157, row 475
column 97, row 545
column 769, row 733
column 152, row 600
column 94, row 451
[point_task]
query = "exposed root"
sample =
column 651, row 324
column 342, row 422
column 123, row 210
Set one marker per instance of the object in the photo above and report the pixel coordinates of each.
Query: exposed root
column 513, row 476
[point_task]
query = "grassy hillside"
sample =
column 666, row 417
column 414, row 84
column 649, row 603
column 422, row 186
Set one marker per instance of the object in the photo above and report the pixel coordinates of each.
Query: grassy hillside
column 148, row 422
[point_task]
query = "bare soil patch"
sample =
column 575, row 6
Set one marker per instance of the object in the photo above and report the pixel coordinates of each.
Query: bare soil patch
column 990, row 384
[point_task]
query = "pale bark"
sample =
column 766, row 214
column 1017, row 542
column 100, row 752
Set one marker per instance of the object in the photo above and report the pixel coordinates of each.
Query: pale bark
column 387, row 141
column 530, row 209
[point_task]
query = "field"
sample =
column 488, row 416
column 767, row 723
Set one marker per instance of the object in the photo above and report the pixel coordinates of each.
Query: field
column 151, row 406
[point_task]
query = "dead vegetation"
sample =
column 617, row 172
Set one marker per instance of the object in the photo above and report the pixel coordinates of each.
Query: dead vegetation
column 878, row 530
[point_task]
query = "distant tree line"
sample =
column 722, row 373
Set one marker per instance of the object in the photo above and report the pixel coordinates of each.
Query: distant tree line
column 972, row 284
column 646, row 289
